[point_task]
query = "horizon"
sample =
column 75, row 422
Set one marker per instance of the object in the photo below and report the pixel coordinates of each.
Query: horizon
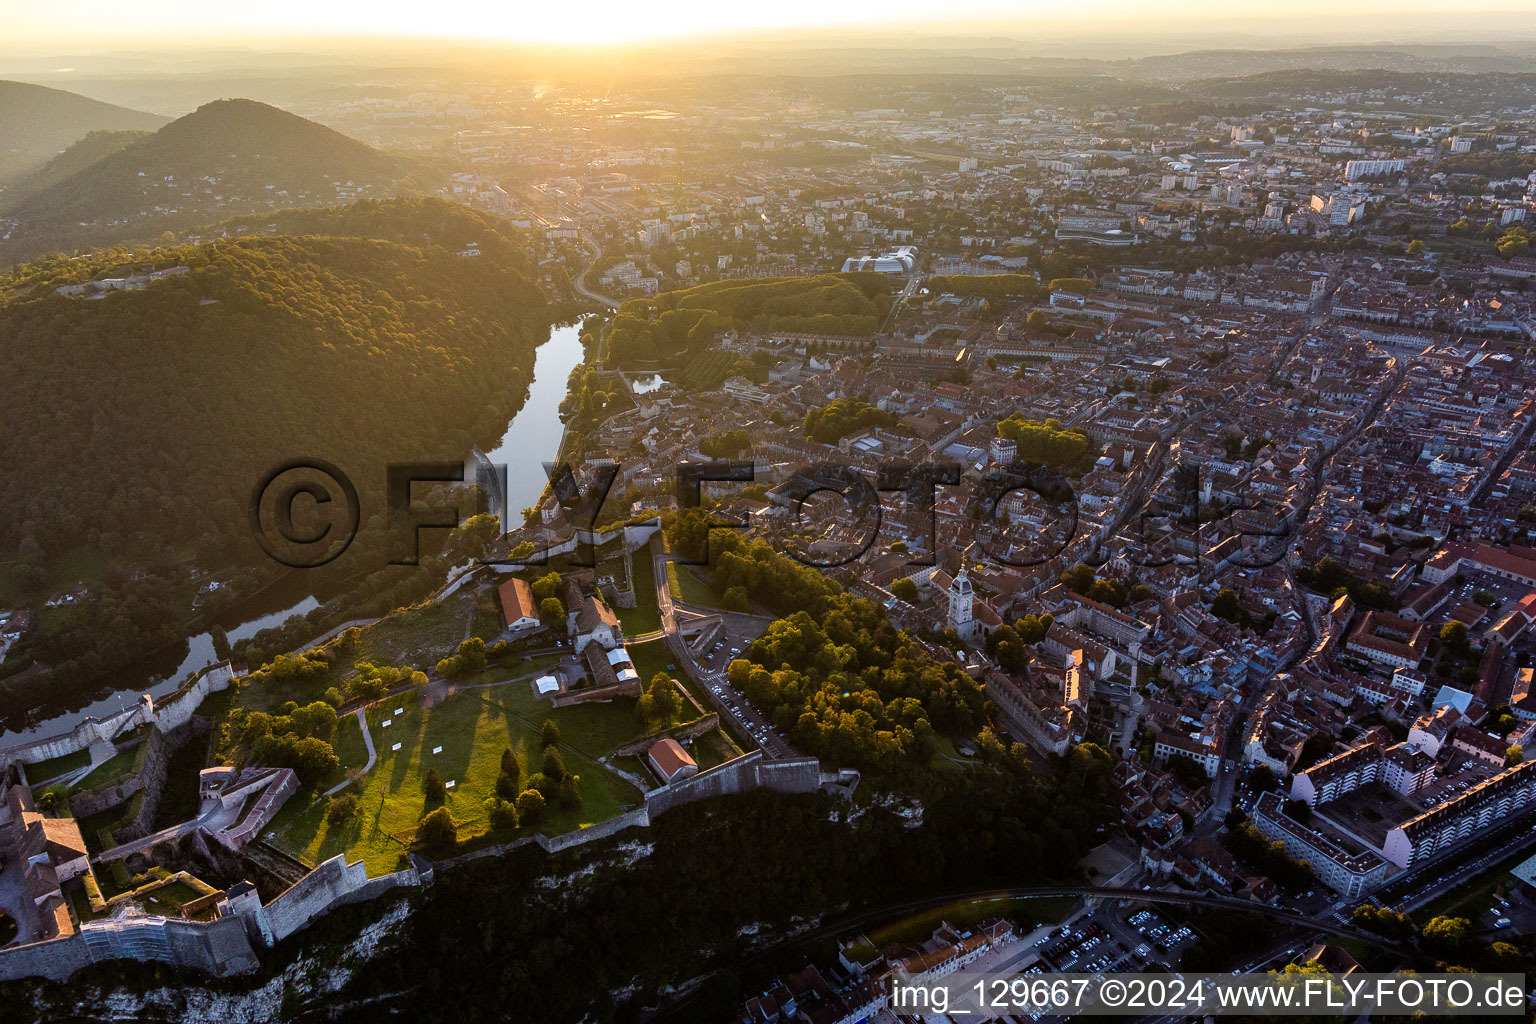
column 341, row 26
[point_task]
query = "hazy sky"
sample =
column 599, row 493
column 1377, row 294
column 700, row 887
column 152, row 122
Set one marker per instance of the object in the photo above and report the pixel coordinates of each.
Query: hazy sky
column 171, row 21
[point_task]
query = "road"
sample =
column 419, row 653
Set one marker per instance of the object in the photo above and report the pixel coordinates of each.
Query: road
column 852, row 923
column 731, row 705
column 1227, row 775
column 1515, row 447
column 579, row 281
column 1411, row 890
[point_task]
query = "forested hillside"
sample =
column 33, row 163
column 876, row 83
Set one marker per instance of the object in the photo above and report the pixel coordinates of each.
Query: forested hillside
column 138, row 424
column 36, row 122
column 95, row 146
column 227, row 157
column 411, row 220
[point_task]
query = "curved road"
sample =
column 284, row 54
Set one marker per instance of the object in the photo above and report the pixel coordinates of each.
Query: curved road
column 864, row 918
column 579, row 282
column 373, row 755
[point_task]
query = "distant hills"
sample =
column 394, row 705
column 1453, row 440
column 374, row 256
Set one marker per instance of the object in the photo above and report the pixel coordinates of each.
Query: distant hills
column 225, row 158
column 36, row 122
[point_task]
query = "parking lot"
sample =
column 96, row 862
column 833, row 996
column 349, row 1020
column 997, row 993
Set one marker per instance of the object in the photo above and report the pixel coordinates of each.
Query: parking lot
column 712, row 653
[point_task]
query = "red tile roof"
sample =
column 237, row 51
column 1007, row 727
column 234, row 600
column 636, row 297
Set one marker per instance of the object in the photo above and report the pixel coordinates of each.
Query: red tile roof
column 517, row 601
column 669, row 757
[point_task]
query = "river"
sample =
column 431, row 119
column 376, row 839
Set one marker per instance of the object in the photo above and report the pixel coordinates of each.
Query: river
column 532, row 437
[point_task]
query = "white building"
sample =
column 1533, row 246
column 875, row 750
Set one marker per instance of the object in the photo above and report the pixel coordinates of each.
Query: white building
column 962, row 600
column 899, row 260
column 1356, row 169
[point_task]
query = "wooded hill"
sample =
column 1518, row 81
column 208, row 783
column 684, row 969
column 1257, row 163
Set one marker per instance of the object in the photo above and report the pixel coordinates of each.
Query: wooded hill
column 139, row 423
column 36, row 122
column 227, row 157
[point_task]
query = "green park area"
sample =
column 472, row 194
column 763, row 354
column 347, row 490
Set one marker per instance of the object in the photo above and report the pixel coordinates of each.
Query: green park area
column 462, row 739
column 462, row 704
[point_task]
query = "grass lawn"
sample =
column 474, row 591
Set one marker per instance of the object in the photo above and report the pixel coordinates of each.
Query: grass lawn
column 651, row 657
column 689, row 589
column 419, row 635
column 53, row 767
column 644, row 617
column 635, row 765
column 714, row 748
column 116, row 768
column 471, row 734
column 349, row 747
column 169, row 897
column 488, row 622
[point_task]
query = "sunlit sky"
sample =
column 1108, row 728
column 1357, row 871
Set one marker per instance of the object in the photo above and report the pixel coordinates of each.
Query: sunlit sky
column 610, row 21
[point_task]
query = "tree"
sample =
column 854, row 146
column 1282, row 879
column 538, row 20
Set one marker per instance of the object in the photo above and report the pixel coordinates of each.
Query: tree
column 906, row 590
column 1078, row 579
column 507, row 781
column 1446, row 935
column 502, row 813
column 471, row 654
column 1032, row 628
column 433, row 787
column 1107, row 591
column 1454, row 636
column 530, row 807
column 570, row 792
column 661, row 703
column 1514, row 755
column 551, row 611
column 549, row 734
column 1262, row 778
column 342, row 809
column 738, row 672
column 1187, row 771
column 1297, row 810
column 545, row 587
column 438, row 830
column 1383, row 921
column 312, row 759
column 317, row 719
column 554, row 764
